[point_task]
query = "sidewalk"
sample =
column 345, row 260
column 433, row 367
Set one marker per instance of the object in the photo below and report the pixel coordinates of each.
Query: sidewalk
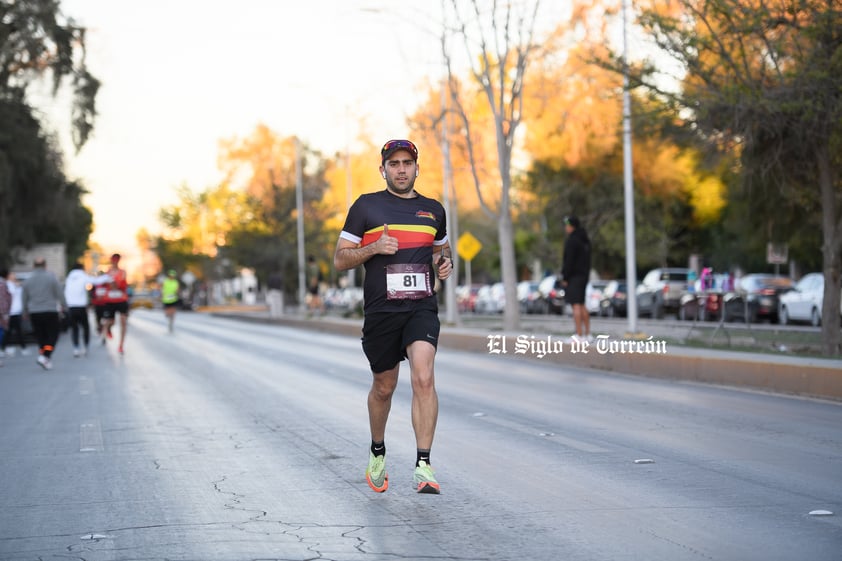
column 611, row 352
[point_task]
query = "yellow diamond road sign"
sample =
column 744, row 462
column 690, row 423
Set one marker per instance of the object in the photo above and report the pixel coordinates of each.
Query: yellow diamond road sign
column 468, row 246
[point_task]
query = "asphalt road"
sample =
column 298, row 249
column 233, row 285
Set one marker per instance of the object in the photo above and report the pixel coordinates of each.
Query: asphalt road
column 232, row 440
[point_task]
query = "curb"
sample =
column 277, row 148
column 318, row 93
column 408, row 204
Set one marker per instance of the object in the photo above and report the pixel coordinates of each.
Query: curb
column 807, row 377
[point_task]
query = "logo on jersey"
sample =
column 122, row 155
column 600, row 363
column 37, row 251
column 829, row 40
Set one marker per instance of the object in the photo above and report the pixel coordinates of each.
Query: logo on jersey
column 425, row 214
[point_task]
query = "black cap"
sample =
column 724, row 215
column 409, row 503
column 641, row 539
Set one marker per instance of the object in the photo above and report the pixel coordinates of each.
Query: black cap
column 573, row 221
column 394, row 145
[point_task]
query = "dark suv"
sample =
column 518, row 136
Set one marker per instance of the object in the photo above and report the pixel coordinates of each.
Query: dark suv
column 661, row 290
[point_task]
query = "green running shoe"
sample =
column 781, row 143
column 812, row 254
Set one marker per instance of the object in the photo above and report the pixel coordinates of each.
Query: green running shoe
column 425, row 481
column 376, row 474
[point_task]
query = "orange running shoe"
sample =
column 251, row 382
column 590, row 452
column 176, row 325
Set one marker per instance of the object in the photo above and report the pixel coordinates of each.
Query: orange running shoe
column 425, row 481
column 376, row 474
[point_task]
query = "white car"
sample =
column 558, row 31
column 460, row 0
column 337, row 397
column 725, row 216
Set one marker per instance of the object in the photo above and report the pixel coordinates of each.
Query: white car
column 804, row 302
column 593, row 295
column 491, row 299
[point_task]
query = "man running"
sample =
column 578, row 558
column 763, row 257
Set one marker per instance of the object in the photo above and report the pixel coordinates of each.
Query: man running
column 398, row 234
column 116, row 302
column 169, row 297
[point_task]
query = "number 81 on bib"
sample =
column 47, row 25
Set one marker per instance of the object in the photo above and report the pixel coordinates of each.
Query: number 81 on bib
column 408, row 282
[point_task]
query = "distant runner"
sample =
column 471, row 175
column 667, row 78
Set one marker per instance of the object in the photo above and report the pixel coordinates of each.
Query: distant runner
column 169, row 297
column 116, row 302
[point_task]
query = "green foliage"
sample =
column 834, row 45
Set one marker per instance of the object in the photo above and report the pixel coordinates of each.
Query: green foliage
column 37, row 203
column 258, row 231
column 766, row 83
column 37, row 42
column 765, row 80
column 594, row 192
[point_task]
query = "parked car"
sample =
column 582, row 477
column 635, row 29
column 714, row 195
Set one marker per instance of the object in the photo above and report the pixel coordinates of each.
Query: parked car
column 702, row 306
column 804, row 301
column 755, row 297
column 466, row 298
column 661, row 290
column 491, row 299
column 614, row 299
column 529, row 297
column 593, row 295
column 552, row 294
column 347, row 300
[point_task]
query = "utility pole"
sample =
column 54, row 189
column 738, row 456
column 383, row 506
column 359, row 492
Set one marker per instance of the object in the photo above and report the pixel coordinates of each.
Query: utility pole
column 451, row 316
column 299, row 205
column 628, row 188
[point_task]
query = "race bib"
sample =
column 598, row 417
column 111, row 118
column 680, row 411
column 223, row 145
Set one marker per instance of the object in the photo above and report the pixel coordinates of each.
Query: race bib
column 408, row 281
column 116, row 294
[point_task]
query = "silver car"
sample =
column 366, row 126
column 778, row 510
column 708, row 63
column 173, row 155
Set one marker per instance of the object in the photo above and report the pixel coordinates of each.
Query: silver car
column 804, row 302
column 661, row 290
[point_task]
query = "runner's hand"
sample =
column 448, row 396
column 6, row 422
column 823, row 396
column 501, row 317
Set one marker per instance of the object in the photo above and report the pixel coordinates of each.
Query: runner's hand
column 445, row 266
column 387, row 245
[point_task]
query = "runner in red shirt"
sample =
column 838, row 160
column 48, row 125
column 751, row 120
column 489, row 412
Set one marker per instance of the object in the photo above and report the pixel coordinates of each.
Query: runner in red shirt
column 116, row 302
column 98, row 295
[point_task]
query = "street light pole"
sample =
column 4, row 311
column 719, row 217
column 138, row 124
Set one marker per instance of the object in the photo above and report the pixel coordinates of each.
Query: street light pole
column 299, row 205
column 450, row 287
column 348, row 180
column 628, row 189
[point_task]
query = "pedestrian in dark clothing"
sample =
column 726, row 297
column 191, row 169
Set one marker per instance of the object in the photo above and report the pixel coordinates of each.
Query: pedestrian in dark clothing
column 42, row 300
column 575, row 270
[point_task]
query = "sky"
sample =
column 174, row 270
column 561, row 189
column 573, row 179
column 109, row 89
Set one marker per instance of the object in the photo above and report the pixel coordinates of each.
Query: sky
column 178, row 76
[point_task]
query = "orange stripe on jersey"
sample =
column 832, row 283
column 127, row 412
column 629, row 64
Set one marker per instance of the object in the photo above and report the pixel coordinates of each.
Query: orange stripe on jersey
column 409, row 235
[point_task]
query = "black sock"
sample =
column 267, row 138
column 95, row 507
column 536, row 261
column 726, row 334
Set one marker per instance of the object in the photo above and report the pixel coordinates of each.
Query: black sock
column 423, row 456
column 378, row 448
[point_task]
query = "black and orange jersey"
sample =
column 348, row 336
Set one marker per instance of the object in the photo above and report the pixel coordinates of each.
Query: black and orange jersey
column 418, row 223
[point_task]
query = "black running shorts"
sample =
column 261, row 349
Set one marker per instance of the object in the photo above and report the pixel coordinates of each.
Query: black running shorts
column 386, row 335
column 113, row 308
column 574, row 292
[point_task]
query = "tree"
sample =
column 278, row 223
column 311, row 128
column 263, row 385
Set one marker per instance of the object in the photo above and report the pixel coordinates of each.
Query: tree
column 572, row 112
column 500, row 45
column 471, row 179
column 765, row 79
column 37, row 42
column 263, row 165
column 249, row 220
column 37, row 202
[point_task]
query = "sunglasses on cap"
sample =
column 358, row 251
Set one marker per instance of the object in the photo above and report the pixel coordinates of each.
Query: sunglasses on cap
column 394, row 145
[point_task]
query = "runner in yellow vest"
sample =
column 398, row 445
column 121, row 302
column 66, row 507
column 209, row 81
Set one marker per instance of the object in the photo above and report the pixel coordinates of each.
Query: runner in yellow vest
column 169, row 297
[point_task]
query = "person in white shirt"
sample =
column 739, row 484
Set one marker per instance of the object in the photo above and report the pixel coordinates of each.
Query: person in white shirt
column 14, row 329
column 5, row 304
column 76, row 295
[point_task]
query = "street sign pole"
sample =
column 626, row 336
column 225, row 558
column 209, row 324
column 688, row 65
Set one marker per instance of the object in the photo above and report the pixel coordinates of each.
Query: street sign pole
column 467, row 247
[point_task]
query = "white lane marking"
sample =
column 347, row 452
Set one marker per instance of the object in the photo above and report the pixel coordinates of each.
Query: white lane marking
column 86, row 385
column 90, row 436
